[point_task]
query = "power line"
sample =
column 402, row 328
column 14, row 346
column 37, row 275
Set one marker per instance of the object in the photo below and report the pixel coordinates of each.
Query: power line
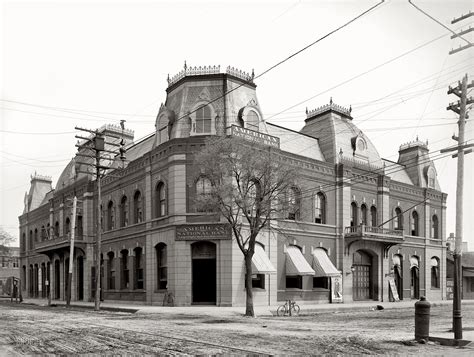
column 438, row 22
column 72, row 110
column 361, row 74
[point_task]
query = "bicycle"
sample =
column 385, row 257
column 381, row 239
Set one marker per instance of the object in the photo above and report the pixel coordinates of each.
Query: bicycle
column 288, row 308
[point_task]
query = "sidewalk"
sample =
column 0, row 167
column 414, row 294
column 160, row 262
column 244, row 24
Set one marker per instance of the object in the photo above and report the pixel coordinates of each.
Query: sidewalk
column 445, row 337
column 306, row 309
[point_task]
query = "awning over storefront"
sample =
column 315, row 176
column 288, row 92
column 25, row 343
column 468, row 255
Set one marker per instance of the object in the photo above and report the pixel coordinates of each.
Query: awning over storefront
column 322, row 265
column 260, row 262
column 296, row 263
column 468, row 272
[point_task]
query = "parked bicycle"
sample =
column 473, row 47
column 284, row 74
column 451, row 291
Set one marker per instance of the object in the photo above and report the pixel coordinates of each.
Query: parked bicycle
column 288, row 308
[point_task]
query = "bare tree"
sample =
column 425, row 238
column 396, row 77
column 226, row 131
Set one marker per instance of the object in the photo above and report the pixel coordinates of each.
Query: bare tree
column 5, row 240
column 247, row 186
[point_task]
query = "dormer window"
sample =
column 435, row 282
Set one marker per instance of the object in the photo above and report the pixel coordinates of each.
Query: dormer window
column 249, row 118
column 202, row 120
column 252, row 120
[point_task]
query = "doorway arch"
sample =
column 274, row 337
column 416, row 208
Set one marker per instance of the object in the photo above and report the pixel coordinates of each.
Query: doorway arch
column 57, row 286
column 414, row 277
column 80, row 277
column 362, row 276
column 398, row 274
column 203, row 256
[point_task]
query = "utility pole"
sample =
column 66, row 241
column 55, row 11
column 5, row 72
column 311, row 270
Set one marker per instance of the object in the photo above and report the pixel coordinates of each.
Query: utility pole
column 459, row 108
column 97, row 143
column 71, row 251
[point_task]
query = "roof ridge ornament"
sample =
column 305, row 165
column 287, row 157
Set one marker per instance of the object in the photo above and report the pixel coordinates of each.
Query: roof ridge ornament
column 329, row 107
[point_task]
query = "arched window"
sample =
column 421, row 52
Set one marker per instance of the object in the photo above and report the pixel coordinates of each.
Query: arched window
column 43, row 233
column 124, row 273
column 203, row 192
column 354, row 216
column 160, row 200
column 110, row 215
column 30, row 240
column 373, row 216
column 137, row 206
column 110, row 271
column 124, row 212
column 252, row 120
column 414, row 224
column 67, row 226
column 294, row 203
column 56, row 229
column 23, row 242
column 398, row 220
column 80, row 231
column 363, row 214
column 138, row 269
column 162, row 266
column 320, row 208
column 36, row 235
column 434, row 227
column 434, row 272
column 203, row 120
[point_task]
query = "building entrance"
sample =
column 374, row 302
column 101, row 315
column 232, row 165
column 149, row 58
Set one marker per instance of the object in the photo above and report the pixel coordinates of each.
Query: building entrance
column 57, row 285
column 362, row 276
column 414, row 277
column 80, row 278
column 203, row 256
column 415, row 283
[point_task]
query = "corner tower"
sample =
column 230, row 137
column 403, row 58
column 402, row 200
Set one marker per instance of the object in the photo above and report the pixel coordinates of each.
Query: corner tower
column 420, row 168
column 205, row 101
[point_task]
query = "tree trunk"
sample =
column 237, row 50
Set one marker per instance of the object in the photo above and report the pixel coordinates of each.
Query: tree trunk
column 248, row 286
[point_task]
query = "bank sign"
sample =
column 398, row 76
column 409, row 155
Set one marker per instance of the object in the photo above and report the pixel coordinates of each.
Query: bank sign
column 255, row 136
column 202, row 231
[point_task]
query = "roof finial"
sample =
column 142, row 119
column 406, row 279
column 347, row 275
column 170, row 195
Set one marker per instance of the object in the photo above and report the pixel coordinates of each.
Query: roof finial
column 350, row 108
column 253, row 74
column 306, row 110
column 330, row 101
column 185, row 65
column 417, row 138
column 168, row 79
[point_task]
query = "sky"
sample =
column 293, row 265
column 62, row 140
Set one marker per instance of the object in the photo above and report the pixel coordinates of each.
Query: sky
column 87, row 63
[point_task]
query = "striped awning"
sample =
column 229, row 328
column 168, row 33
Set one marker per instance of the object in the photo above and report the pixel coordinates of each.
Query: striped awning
column 260, row 262
column 322, row 265
column 296, row 263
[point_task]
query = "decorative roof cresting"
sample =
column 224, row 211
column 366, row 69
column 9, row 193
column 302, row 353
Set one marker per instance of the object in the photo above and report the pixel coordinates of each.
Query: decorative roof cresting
column 415, row 143
column 206, row 70
column 329, row 107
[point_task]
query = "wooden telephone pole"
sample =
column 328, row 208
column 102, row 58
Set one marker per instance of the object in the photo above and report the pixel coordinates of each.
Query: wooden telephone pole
column 93, row 148
column 459, row 108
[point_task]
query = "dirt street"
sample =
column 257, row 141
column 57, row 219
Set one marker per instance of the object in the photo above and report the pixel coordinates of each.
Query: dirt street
column 57, row 330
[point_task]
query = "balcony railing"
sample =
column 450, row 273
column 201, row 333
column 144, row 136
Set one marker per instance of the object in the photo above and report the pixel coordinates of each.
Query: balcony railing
column 57, row 240
column 374, row 233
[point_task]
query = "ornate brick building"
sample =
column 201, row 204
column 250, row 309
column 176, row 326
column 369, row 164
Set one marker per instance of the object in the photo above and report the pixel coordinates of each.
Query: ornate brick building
column 360, row 227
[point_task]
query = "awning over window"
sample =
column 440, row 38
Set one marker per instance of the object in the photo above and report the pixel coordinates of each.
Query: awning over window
column 413, row 262
column 396, row 260
column 296, row 263
column 260, row 262
column 322, row 265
